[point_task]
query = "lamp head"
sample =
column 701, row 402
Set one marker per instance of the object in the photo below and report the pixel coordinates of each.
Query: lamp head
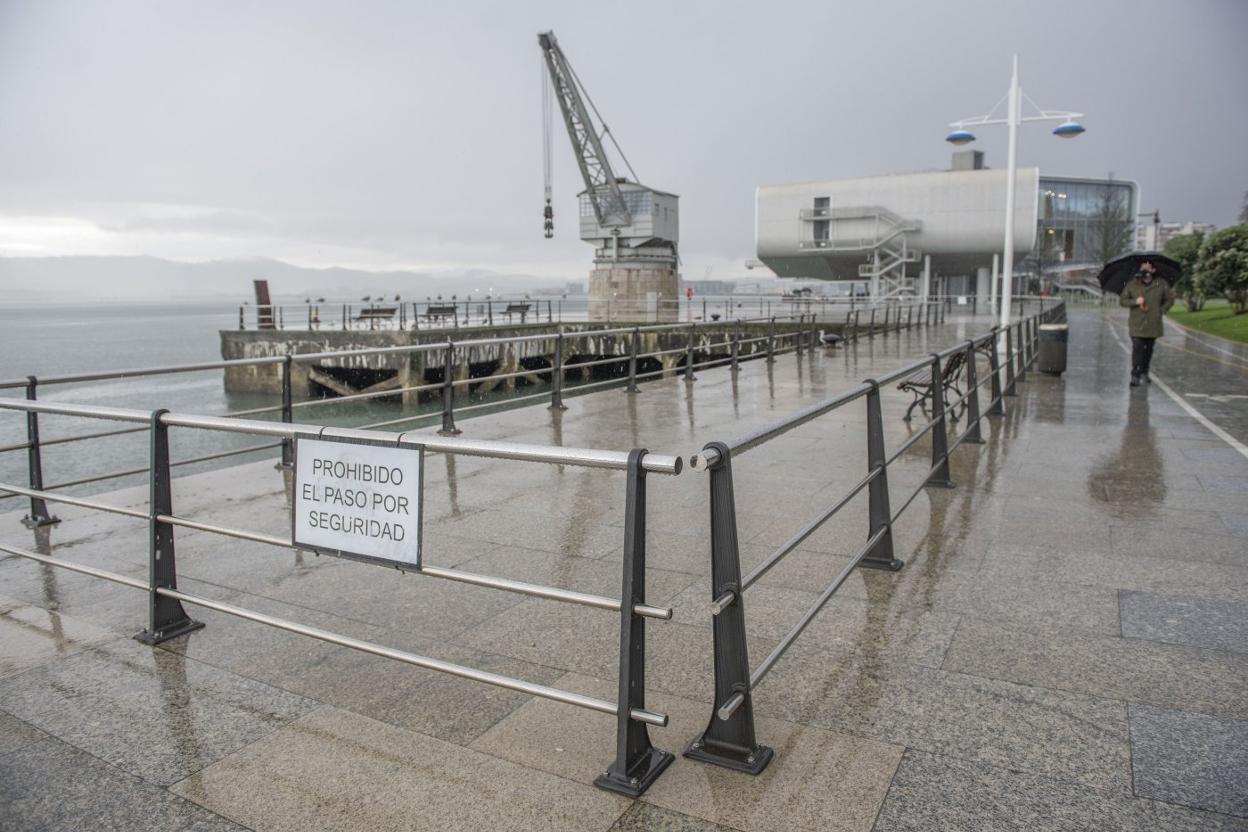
column 960, row 137
column 1069, row 129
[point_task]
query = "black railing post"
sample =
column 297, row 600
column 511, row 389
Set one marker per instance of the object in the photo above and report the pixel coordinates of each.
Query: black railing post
column 448, row 393
column 632, row 361
column 689, row 376
column 871, row 329
column 972, row 396
column 1009, row 361
column 556, row 376
column 345, row 316
column 940, row 436
column 489, row 306
column 797, row 336
column 288, row 445
column 736, row 352
column 857, row 323
column 997, row 406
column 637, row 763
column 886, row 319
column 1022, row 353
column 729, row 739
column 39, row 514
column 771, row 342
column 242, row 321
column 880, row 514
column 166, row 617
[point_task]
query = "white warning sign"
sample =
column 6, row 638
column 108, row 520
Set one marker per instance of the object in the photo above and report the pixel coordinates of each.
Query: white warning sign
column 358, row 500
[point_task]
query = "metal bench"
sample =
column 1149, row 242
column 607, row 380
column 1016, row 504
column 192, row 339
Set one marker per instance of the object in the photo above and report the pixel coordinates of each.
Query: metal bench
column 435, row 312
column 521, row 309
column 920, row 385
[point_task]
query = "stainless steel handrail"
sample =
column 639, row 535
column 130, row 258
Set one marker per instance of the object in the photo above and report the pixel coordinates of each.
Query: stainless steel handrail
column 497, row 680
column 586, row 457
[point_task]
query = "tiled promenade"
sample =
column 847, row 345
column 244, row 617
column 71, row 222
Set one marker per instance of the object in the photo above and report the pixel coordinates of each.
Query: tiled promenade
column 1065, row 649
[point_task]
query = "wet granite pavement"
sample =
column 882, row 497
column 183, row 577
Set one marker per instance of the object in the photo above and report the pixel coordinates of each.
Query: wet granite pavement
column 1066, row 647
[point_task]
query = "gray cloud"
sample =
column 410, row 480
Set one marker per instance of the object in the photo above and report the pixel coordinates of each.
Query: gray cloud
column 406, row 134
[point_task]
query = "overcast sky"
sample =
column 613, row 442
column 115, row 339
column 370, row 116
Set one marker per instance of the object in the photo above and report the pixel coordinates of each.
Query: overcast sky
column 408, row 134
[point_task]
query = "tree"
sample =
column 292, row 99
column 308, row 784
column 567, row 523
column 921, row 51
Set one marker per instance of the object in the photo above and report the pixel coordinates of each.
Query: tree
column 1185, row 250
column 1111, row 229
column 1222, row 265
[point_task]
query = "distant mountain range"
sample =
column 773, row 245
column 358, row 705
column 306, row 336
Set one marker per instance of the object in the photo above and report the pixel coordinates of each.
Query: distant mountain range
column 139, row 278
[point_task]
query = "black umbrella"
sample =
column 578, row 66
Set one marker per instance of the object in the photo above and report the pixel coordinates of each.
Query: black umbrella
column 1118, row 273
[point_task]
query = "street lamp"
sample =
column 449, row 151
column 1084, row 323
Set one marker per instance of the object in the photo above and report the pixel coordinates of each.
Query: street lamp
column 1068, row 129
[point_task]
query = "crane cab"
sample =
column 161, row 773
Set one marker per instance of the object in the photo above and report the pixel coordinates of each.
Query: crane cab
column 655, row 219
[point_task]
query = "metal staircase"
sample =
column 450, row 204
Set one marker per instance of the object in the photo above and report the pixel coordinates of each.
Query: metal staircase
column 879, row 234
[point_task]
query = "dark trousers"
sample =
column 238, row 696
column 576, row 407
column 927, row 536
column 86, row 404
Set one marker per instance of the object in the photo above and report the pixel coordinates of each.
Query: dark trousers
column 1141, row 355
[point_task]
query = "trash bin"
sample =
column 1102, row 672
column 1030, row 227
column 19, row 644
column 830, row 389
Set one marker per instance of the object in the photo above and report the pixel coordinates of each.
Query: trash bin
column 1052, row 357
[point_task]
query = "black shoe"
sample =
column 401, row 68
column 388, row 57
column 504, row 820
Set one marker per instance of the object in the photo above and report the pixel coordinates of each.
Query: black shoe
column 1135, row 381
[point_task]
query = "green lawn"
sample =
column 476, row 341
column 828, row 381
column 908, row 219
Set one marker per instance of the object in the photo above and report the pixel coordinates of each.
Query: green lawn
column 1216, row 319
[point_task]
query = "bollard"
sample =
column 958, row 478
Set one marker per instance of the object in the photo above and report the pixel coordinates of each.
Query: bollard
column 689, row 376
column 637, row 763
column 39, row 514
column 728, row 740
column 972, row 396
column 879, row 514
column 556, row 376
column 771, row 342
column 288, row 447
column 940, row 437
column 448, row 393
column 166, row 618
column 632, row 362
column 1009, row 361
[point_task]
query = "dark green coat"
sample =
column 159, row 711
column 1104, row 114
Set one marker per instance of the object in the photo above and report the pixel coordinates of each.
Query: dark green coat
column 1159, row 297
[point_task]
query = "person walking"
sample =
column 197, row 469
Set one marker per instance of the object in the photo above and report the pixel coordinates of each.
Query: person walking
column 1149, row 299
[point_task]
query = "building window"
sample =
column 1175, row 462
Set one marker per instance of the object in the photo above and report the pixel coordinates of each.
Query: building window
column 821, row 230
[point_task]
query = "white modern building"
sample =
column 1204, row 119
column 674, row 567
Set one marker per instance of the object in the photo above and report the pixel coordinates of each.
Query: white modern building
column 935, row 231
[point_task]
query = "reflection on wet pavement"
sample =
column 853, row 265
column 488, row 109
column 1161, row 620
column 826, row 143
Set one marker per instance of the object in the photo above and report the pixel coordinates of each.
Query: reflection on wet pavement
column 1058, row 651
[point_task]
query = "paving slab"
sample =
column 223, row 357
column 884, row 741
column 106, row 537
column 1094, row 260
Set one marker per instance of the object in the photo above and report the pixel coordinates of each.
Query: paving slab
column 33, row 635
column 14, row 733
column 931, row 792
column 148, row 711
column 1176, row 619
column 334, row 770
column 1195, row 679
column 49, row 786
column 818, row 780
column 1190, row 759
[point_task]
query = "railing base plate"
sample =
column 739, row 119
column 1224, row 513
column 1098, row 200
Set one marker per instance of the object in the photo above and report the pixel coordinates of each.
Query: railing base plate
column 31, row 522
column 188, row 625
column 940, row 484
column 639, row 778
column 454, row 432
column 751, row 763
column 893, row 565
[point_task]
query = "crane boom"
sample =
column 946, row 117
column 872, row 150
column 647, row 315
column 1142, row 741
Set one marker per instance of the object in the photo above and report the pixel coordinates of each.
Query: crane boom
column 600, row 181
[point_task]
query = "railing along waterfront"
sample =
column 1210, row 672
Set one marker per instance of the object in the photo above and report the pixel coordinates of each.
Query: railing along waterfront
column 801, row 334
column 456, row 313
column 636, row 762
column 729, row 739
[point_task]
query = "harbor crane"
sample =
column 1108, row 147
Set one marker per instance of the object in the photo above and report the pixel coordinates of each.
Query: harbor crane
column 634, row 229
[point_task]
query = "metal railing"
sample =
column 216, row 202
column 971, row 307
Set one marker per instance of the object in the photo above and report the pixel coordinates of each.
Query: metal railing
column 729, row 739
column 622, row 370
column 636, row 764
column 457, row 313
